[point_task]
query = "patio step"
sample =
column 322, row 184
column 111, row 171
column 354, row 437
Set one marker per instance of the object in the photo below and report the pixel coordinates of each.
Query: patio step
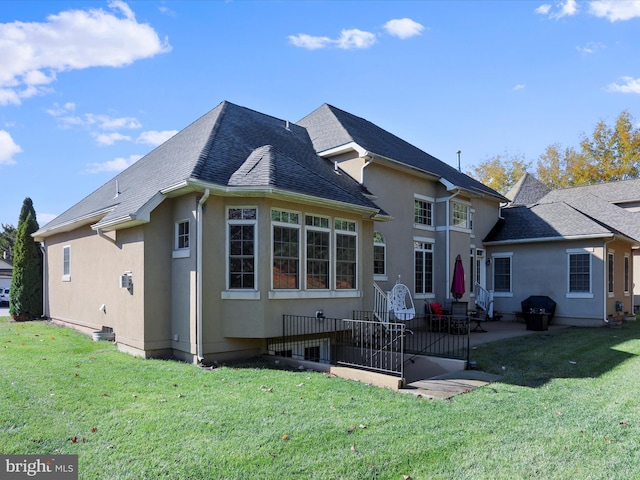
column 449, row 385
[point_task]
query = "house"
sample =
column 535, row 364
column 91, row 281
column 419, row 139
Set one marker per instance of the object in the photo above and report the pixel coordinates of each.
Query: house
column 6, row 271
column 438, row 212
column 575, row 245
column 197, row 250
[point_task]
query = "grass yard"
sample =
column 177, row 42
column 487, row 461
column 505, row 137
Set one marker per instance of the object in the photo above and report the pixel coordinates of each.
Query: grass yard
column 568, row 408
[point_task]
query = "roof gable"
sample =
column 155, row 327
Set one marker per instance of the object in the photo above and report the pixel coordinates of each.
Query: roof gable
column 527, row 190
column 329, row 127
column 230, row 146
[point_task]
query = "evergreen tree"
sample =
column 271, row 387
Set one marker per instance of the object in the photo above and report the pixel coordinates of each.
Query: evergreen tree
column 26, row 283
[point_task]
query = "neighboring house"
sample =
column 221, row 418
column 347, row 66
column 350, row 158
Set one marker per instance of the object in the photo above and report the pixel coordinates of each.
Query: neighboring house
column 575, row 245
column 197, row 250
column 6, row 270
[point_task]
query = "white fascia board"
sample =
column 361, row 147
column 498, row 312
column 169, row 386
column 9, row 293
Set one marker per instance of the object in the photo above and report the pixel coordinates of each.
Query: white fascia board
column 344, row 149
column 551, row 239
column 71, row 224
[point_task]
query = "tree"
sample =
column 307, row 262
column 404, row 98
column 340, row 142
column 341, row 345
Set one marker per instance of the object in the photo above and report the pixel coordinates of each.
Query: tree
column 501, row 172
column 26, row 282
column 610, row 154
column 7, row 241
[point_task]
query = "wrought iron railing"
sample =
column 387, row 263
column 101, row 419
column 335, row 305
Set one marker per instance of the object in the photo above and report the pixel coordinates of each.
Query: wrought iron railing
column 366, row 343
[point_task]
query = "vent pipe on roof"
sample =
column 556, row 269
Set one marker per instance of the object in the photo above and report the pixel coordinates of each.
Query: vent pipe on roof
column 458, row 153
column 286, row 125
column 117, row 190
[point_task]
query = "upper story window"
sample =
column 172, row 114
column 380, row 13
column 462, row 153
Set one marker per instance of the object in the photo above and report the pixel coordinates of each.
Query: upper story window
column 66, row 263
column 286, row 249
column 182, row 234
column 379, row 255
column 346, row 254
column 579, row 273
column 461, row 217
column 241, row 231
column 422, row 211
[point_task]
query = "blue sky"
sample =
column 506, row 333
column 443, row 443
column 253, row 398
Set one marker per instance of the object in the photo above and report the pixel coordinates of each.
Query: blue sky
column 87, row 88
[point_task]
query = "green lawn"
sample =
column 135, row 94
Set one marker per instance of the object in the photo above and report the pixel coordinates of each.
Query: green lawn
column 567, row 408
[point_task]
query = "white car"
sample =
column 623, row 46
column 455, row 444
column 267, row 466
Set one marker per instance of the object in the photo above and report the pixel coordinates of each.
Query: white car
column 4, row 295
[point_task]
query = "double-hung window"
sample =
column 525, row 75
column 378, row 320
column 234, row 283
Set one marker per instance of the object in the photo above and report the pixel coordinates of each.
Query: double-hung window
column 241, row 230
column 579, row 273
column 182, row 237
column 346, row 254
column 66, row 263
column 423, row 254
column 286, row 249
column 461, row 217
column 502, row 273
column 422, row 211
column 318, row 248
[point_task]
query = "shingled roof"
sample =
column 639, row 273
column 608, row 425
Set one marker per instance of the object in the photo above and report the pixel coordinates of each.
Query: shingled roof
column 589, row 211
column 229, row 147
column 330, row 127
column 527, row 190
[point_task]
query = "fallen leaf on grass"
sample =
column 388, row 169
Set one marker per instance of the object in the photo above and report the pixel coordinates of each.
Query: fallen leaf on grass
column 105, row 394
column 301, row 384
column 624, row 424
column 285, row 437
column 406, row 477
column 77, row 375
column 353, row 447
column 94, row 429
column 73, row 439
column 362, row 426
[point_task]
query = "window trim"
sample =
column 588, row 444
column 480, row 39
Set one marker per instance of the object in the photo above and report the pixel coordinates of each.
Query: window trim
column 380, row 244
column 181, row 252
column 322, row 229
column 611, row 273
column 292, row 226
column 579, row 251
column 430, row 201
column 347, row 233
column 256, row 261
column 432, row 243
column 466, row 227
column 66, row 263
column 494, row 257
column 627, row 275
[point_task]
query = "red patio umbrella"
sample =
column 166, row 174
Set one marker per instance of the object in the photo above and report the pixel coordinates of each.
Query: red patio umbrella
column 457, row 284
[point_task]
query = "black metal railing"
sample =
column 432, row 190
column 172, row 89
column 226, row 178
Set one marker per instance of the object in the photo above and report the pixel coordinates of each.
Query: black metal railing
column 369, row 344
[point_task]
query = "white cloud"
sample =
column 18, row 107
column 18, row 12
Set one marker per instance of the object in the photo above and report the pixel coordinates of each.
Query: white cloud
column 309, row 42
column 567, row 8
column 8, row 148
column 591, row 47
column 543, row 9
column 33, row 53
column 403, row 28
column 519, row 86
column 115, row 165
column 355, row 38
column 154, row 137
column 111, row 138
column 615, row 10
column 625, row 85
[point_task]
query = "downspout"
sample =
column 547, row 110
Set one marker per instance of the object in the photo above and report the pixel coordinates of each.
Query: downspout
column 45, row 283
column 448, row 238
column 365, row 165
column 199, row 222
column 605, row 288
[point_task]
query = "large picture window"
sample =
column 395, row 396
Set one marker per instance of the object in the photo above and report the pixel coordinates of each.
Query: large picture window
column 346, row 254
column 286, row 249
column 242, row 224
column 318, row 251
column 423, row 253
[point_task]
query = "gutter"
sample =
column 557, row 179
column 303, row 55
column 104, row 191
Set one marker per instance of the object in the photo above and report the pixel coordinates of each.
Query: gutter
column 448, row 233
column 45, row 282
column 199, row 222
